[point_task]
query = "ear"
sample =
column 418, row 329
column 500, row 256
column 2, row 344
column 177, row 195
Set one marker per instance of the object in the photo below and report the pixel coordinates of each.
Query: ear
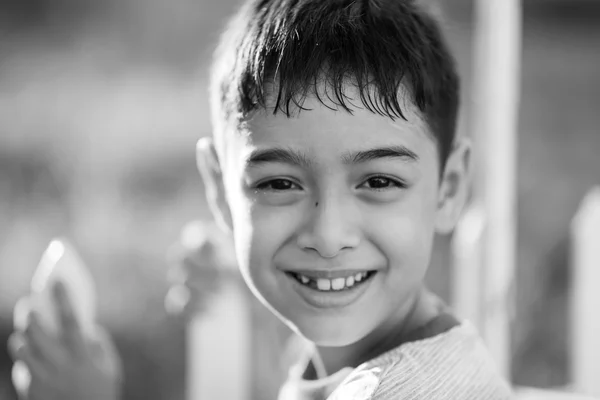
column 454, row 186
column 210, row 170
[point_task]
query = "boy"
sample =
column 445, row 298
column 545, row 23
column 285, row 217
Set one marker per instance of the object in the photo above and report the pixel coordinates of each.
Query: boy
column 333, row 163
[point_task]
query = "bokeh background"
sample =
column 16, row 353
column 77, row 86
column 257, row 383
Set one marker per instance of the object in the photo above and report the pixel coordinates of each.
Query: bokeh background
column 101, row 104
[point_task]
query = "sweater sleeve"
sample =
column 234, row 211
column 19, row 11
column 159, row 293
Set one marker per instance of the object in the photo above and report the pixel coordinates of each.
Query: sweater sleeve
column 462, row 369
column 453, row 366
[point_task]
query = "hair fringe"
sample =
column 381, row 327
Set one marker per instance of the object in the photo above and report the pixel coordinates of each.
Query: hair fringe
column 298, row 46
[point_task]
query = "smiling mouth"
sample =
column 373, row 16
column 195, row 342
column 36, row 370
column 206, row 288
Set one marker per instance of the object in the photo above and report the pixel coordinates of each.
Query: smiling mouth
column 335, row 284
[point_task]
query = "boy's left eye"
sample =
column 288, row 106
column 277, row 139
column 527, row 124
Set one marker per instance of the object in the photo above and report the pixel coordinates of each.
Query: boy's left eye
column 383, row 183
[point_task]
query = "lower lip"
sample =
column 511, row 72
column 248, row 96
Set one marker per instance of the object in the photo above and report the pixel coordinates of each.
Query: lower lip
column 332, row 298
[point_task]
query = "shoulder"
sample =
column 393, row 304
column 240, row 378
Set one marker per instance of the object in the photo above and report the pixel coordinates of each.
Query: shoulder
column 452, row 365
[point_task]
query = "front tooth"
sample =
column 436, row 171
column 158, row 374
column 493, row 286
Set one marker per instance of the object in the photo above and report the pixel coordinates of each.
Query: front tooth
column 358, row 277
column 350, row 281
column 338, row 283
column 323, row 284
column 304, row 279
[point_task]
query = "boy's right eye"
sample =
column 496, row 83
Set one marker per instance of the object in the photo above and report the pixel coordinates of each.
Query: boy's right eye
column 278, row 185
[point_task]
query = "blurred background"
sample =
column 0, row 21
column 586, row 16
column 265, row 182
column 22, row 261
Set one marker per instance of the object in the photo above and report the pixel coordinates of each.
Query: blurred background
column 101, row 104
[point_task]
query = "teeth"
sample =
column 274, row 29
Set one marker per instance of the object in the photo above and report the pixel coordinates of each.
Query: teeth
column 350, row 281
column 324, row 284
column 338, row 283
column 333, row 284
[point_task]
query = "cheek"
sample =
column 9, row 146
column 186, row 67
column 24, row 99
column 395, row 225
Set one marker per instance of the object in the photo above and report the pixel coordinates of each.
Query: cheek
column 406, row 230
column 267, row 231
column 259, row 233
column 243, row 230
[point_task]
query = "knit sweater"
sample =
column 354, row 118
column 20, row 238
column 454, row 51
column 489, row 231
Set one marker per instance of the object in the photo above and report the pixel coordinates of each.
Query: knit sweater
column 451, row 365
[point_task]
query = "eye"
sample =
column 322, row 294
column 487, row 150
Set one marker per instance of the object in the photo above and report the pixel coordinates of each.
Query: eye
column 383, row 183
column 277, row 185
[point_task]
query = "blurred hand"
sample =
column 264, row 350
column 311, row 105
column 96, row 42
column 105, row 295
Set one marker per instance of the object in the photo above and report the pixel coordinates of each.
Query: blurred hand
column 67, row 366
column 198, row 263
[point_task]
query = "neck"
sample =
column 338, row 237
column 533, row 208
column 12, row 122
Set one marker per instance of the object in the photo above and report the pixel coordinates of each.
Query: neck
column 421, row 308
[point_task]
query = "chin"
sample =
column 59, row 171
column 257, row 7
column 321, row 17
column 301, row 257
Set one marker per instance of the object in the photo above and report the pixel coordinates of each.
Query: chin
column 330, row 333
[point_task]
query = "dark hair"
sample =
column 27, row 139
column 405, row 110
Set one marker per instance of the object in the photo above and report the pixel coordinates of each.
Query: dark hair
column 378, row 45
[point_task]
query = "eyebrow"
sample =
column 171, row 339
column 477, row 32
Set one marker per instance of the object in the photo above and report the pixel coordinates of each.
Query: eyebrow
column 277, row 155
column 296, row 158
column 389, row 152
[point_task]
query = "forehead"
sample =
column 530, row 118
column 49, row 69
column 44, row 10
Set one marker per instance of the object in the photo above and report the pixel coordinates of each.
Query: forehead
column 323, row 129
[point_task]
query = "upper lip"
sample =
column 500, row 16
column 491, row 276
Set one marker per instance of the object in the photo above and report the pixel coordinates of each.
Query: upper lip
column 328, row 273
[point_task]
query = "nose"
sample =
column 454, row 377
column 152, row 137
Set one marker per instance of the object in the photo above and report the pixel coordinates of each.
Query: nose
column 330, row 228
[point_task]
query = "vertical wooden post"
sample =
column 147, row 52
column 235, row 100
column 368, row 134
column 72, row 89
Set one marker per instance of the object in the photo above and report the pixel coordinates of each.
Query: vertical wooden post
column 496, row 95
column 218, row 350
column 467, row 262
column 585, row 296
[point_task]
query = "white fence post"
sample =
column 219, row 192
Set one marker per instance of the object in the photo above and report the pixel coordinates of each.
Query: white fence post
column 467, row 265
column 585, row 296
column 495, row 106
column 219, row 340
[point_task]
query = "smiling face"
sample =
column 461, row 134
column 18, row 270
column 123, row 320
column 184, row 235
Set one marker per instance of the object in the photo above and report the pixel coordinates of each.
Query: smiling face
column 333, row 214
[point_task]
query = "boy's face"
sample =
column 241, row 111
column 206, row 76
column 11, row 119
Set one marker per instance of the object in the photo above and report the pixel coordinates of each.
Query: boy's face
column 334, row 214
